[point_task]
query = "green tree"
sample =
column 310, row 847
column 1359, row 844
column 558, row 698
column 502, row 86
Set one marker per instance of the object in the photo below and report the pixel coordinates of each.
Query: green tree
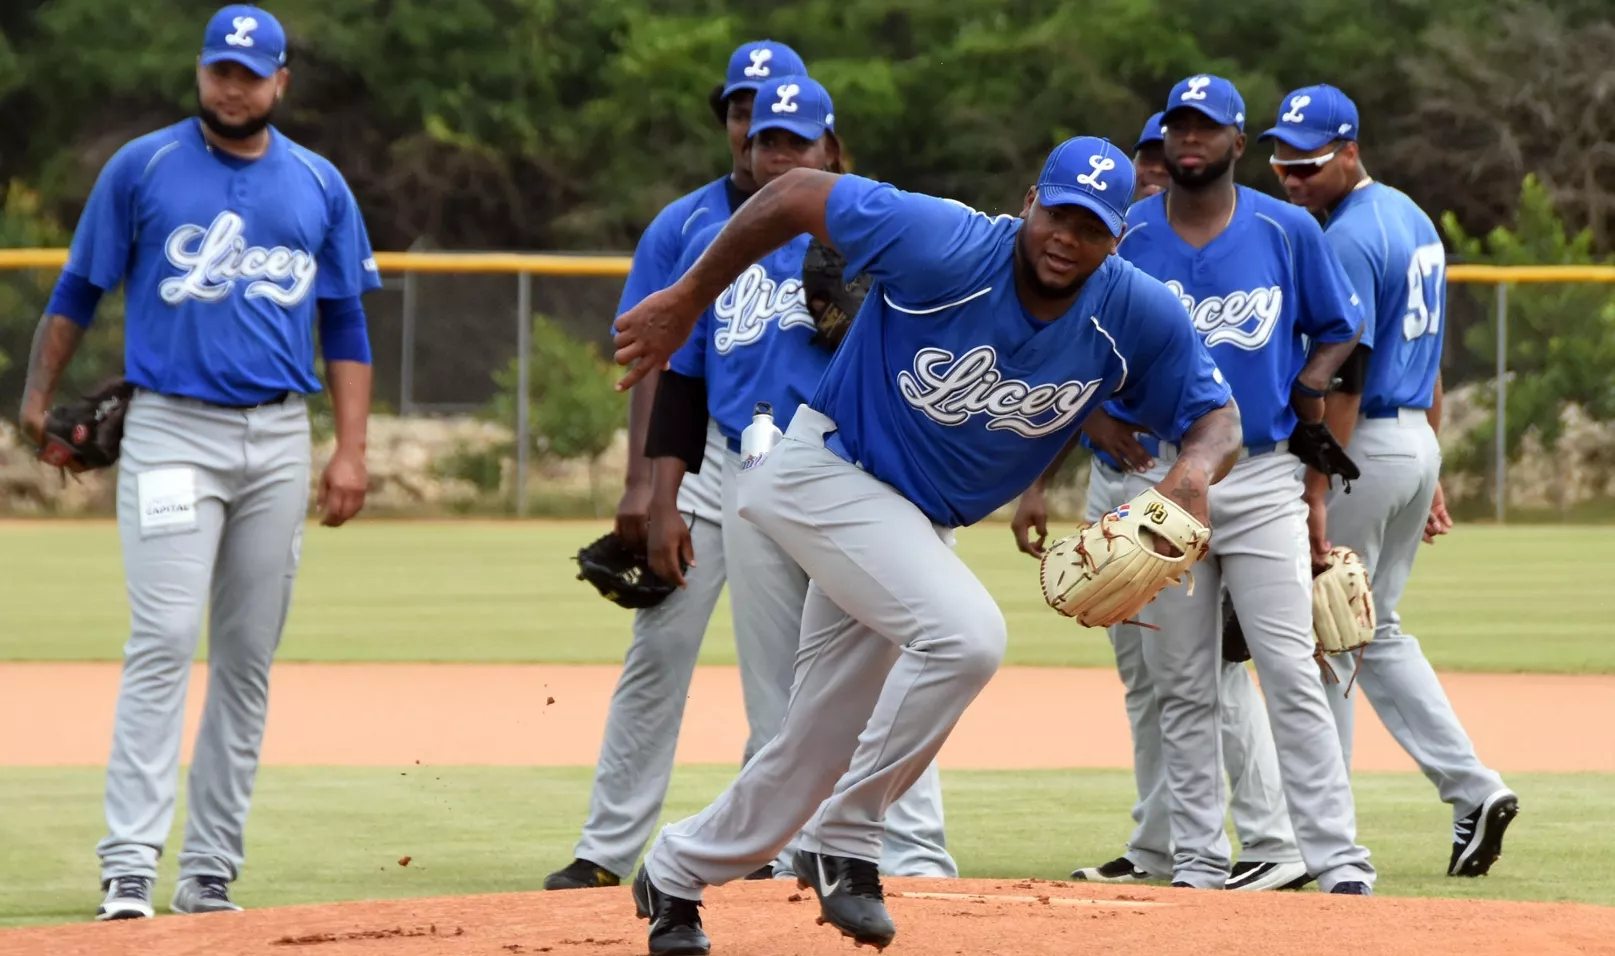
column 1561, row 336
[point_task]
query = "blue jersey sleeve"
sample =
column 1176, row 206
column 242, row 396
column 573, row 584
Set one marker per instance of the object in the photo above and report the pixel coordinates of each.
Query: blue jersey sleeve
column 1171, row 378
column 105, row 233
column 347, row 266
column 925, row 250
column 1363, row 266
column 656, row 258
column 1330, row 310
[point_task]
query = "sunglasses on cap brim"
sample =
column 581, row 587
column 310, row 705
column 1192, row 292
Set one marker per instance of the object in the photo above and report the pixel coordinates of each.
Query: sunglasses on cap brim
column 1304, row 168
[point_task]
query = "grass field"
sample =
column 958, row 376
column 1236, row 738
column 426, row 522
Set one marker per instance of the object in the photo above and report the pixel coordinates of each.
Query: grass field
column 1483, row 599
column 327, row 834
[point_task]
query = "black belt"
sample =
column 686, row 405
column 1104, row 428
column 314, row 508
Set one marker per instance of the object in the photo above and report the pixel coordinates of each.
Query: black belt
column 276, row 400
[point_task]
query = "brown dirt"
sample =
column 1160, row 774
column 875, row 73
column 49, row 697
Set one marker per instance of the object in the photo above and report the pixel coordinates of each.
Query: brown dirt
column 390, row 714
column 975, row 917
column 500, row 714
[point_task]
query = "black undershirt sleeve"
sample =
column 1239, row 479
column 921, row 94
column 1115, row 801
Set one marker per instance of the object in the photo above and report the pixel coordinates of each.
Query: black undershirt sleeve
column 678, row 420
column 1353, row 372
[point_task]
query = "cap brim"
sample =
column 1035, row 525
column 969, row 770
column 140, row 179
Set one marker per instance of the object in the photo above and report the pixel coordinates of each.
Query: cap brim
column 261, row 65
column 1146, row 140
column 807, row 129
column 1203, row 110
column 753, row 85
column 1051, row 194
column 1300, row 137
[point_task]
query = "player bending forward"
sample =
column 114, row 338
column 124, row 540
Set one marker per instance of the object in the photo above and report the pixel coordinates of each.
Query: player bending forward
column 981, row 346
column 1388, row 409
column 227, row 236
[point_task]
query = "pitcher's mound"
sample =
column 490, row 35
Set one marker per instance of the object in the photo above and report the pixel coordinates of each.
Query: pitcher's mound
column 934, row 917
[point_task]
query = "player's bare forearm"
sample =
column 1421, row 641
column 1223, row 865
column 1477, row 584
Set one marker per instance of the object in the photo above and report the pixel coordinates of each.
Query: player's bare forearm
column 667, row 476
column 1433, row 413
column 1325, row 360
column 785, row 208
column 350, row 384
column 1207, row 453
column 56, row 338
column 640, row 402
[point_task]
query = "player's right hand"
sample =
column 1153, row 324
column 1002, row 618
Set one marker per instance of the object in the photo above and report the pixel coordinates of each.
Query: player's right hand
column 1032, row 512
column 668, row 542
column 1118, row 440
column 1439, row 522
column 649, row 333
column 633, row 515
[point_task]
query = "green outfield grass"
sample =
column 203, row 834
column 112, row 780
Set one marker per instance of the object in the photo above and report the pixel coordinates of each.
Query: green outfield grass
column 322, row 834
column 1483, row 599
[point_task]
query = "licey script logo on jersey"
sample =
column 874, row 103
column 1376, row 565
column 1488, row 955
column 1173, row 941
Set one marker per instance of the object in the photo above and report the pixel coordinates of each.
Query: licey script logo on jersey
column 949, row 392
column 1223, row 319
column 215, row 257
column 751, row 302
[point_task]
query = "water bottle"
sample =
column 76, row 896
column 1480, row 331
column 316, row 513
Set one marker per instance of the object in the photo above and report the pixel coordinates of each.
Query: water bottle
column 760, row 436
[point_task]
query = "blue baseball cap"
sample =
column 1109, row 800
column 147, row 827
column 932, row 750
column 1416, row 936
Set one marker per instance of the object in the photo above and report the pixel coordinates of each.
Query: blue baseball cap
column 753, row 64
column 249, row 36
column 1211, row 95
column 1090, row 172
column 797, row 103
column 1151, row 132
column 1315, row 116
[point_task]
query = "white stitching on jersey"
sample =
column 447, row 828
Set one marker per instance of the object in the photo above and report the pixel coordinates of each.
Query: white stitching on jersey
column 949, row 305
column 1288, row 249
column 1114, row 350
column 311, row 168
column 686, row 227
column 150, row 163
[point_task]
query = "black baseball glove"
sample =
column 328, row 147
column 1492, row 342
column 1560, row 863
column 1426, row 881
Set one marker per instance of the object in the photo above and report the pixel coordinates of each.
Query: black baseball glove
column 1234, row 648
column 621, row 576
column 85, row 434
column 831, row 301
column 1315, row 445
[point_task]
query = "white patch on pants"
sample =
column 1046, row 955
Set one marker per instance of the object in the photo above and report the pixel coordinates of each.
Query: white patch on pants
column 167, row 501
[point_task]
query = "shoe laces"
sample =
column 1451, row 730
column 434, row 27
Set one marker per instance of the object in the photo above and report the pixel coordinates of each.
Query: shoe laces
column 213, row 888
column 862, row 878
column 682, row 912
column 133, row 887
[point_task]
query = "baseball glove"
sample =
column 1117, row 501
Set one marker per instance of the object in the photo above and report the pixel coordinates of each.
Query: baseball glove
column 831, row 301
column 1106, row 572
column 85, row 434
column 1234, row 648
column 1315, row 445
column 1343, row 618
column 621, row 576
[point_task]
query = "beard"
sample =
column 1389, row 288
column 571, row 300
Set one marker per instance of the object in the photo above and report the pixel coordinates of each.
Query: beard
column 238, row 131
column 1027, row 268
column 1204, row 176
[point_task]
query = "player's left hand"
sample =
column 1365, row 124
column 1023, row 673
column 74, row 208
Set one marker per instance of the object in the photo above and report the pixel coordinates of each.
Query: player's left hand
column 342, row 487
column 649, row 333
column 1439, row 522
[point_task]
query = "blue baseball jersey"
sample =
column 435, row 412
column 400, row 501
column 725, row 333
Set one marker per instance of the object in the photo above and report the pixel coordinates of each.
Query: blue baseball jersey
column 1254, row 295
column 754, row 343
column 661, row 246
column 948, row 390
column 223, row 261
column 1394, row 257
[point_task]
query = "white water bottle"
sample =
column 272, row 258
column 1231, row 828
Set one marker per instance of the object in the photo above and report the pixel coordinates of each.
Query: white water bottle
column 760, row 436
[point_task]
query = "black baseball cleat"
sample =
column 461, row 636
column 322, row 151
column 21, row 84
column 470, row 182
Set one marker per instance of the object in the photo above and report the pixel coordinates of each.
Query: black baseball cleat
column 1119, row 870
column 675, row 923
column 1477, row 840
column 850, row 896
column 580, row 874
column 1351, row 888
column 764, row 872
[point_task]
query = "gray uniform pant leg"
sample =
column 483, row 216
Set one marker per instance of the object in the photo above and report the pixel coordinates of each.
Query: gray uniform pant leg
column 898, row 638
column 211, row 507
column 1383, row 521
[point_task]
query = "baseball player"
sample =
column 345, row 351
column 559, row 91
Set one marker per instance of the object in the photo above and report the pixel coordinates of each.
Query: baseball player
column 1255, row 276
column 758, row 343
column 647, row 707
column 1388, row 409
column 981, row 346
column 228, row 238
column 1269, row 858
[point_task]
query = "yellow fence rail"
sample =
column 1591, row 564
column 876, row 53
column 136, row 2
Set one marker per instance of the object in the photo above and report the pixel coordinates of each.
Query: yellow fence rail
column 525, row 265
column 550, row 264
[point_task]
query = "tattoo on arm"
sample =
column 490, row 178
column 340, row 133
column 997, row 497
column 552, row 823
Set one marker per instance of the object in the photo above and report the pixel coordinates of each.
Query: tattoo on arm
column 1213, row 442
column 55, row 340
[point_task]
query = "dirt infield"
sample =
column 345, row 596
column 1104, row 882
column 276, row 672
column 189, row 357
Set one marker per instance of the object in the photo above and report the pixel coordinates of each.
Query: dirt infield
column 934, row 917
column 541, row 715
